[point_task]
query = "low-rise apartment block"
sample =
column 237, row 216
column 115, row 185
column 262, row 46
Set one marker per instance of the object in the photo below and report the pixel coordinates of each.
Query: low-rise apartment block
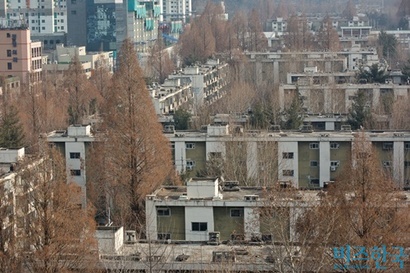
column 303, row 158
column 73, row 143
column 60, row 59
column 207, row 206
column 208, row 81
column 170, row 95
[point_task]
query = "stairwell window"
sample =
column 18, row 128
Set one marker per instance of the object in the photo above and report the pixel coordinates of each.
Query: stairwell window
column 74, row 155
column 287, row 172
column 199, row 226
column 287, row 155
column 75, row 172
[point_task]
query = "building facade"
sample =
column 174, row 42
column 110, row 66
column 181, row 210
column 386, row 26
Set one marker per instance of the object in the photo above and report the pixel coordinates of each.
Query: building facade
column 305, row 159
column 170, row 96
column 209, row 81
column 45, row 16
column 19, row 56
column 175, row 10
column 73, row 143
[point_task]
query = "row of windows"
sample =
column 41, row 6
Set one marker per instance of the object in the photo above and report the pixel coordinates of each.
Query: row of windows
column 165, row 212
column 44, row 28
column 10, row 52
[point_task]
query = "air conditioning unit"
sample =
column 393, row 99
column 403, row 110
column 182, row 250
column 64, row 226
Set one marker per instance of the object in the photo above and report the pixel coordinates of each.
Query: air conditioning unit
column 214, row 238
column 333, row 168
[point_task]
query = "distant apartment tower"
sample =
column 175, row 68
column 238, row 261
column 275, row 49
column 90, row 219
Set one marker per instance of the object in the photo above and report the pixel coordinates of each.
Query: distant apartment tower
column 174, row 10
column 102, row 24
column 138, row 21
column 76, row 17
column 19, row 56
column 42, row 16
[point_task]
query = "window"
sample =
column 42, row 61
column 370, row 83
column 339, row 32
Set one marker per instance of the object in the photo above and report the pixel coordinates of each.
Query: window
column 74, row 2
column 387, row 164
column 43, row 28
column 287, row 172
column 73, row 12
column 287, row 155
column 236, row 213
column 215, row 154
column 8, row 52
column 314, row 145
column 314, row 182
column 163, row 212
column 190, row 145
column 75, row 172
column 8, row 35
column 164, row 236
column 9, row 66
column 387, row 145
column 15, row 52
column 74, row 155
column 199, row 226
column 334, row 145
column 314, row 163
column 406, row 163
column 407, row 145
column 15, row 59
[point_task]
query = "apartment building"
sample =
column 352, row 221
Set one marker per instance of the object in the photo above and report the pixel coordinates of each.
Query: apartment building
column 73, row 143
column 41, row 16
column 207, row 205
column 304, row 158
column 209, row 81
column 170, row 96
column 19, row 55
column 338, row 98
column 138, row 21
column 175, row 10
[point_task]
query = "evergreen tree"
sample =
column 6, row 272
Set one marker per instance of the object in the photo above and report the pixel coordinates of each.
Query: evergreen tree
column 294, row 114
column 11, row 131
column 388, row 44
column 181, row 119
column 359, row 114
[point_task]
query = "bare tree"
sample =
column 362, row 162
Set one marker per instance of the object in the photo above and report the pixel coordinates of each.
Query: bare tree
column 364, row 208
column 138, row 156
column 59, row 234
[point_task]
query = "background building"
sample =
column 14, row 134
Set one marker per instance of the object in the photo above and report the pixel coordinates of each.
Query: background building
column 19, row 56
column 41, row 16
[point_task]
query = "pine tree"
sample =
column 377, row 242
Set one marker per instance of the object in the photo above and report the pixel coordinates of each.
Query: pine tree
column 359, row 114
column 11, row 131
column 294, row 114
